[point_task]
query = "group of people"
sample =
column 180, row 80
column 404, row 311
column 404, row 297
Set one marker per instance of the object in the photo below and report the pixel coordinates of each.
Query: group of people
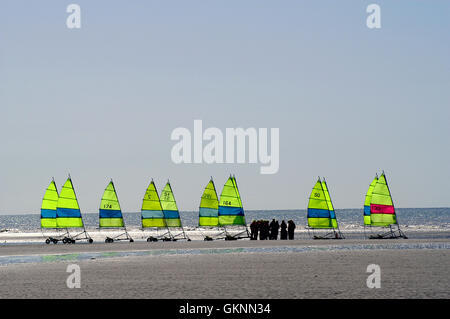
column 270, row 230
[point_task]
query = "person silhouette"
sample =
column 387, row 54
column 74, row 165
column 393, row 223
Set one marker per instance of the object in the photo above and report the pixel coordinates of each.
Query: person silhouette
column 283, row 233
column 291, row 228
column 264, row 233
column 276, row 228
column 272, row 229
column 253, row 230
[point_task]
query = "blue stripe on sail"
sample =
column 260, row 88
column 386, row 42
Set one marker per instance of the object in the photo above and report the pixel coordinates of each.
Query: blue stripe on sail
column 332, row 214
column 171, row 214
column 152, row 214
column 208, row 212
column 106, row 213
column 68, row 212
column 318, row 213
column 366, row 210
column 48, row 213
column 231, row 211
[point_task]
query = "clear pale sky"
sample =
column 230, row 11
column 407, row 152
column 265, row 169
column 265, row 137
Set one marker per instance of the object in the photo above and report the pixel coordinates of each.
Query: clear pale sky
column 101, row 102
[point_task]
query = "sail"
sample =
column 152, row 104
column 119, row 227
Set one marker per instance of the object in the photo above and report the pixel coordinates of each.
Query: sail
column 169, row 207
column 368, row 199
column 329, row 204
column 68, row 214
column 48, row 207
column 318, row 213
column 382, row 211
column 209, row 206
column 110, row 214
column 151, row 213
column 231, row 211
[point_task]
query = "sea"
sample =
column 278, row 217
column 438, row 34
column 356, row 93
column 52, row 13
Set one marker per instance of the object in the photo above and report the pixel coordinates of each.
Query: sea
column 350, row 220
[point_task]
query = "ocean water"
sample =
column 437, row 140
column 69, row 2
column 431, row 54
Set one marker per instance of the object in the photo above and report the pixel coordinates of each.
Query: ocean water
column 420, row 219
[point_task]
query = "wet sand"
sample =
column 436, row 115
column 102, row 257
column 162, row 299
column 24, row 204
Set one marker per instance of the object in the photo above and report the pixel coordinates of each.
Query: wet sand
column 229, row 269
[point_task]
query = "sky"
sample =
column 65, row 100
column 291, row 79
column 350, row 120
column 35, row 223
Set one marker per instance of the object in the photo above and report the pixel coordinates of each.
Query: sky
column 101, row 102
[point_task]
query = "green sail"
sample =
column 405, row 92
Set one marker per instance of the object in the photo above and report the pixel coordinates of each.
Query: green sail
column 48, row 207
column 68, row 214
column 110, row 213
column 209, row 206
column 152, row 213
column 169, row 207
column 231, row 211
column 382, row 211
column 381, row 194
column 367, row 200
column 318, row 213
column 329, row 204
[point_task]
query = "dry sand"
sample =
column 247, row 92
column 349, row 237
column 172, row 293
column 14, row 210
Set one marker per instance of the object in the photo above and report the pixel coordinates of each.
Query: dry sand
column 265, row 269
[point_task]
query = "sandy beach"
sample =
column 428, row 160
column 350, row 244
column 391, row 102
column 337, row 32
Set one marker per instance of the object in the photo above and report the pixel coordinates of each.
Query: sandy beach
column 220, row 269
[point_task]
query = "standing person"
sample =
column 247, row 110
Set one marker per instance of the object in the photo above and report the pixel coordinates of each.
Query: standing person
column 272, row 229
column 253, row 230
column 264, row 234
column 291, row 228
column 267, row 230
column 262, row 230
column 257, row 229
column 275, row 230
column 283, row 233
